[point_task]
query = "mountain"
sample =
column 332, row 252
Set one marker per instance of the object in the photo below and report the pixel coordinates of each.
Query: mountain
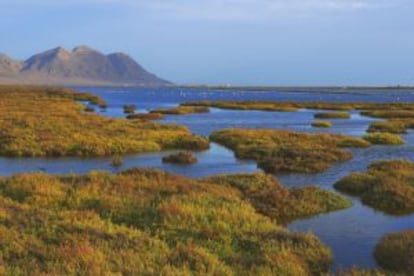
column 81, row 66
column 9, row 66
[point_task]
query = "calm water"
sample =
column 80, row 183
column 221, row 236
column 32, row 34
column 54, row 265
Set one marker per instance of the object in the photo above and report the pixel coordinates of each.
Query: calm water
column 351, row 233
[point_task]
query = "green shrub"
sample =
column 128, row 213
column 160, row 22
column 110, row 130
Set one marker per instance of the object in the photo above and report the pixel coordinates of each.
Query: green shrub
column 395, row 253
column 181, row 110
column 322, row 124
column 143, row 222
column 387, row 186
column 180, row 158
column 332, row 115
column 38, row 121
column 398, row 126
column 287, row 151
column 382, row 138
column 284, row 205
column 146, row 116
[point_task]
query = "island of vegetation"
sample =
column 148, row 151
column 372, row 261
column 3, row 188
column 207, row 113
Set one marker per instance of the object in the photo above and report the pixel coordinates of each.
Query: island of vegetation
column 44, row 121
column 287, row 151
column 143, row 222
column 182, row 157
column 129, row 108
column 332, row 115
column 146, row 116
column 181, row 110
column 395, row 253
column 294, row 106
column 387, row 186
column 322, row 124
column 269, row 197
column 383, row 138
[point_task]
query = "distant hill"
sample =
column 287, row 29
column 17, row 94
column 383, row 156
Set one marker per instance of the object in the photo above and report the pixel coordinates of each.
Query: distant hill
column 81, row 66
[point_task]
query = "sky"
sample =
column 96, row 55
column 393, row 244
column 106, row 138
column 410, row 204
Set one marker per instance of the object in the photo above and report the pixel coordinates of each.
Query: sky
column 238, row 42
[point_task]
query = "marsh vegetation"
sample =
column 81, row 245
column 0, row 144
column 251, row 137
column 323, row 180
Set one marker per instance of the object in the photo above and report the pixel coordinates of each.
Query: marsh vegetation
column 387, row 186
column 395, row 253
column 269, row 197
column 322, row 124
column 36, row 121
column 144, row 222
column 182, row 157
column 181, row 110
column 287, row 151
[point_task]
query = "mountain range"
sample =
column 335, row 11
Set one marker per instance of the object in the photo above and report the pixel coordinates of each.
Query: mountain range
column 80, row 66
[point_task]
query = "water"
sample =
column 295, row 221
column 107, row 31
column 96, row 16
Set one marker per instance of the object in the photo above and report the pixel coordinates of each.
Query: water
column 351, row 233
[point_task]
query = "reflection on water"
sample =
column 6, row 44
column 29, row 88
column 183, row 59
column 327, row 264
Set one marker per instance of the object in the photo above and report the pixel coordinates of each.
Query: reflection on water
column 351, row 233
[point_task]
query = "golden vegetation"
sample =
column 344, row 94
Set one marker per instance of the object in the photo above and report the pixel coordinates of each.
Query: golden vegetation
column 383, row 138
column 181, row 110
column 287, row 151
column 36, row 121
column 395, row 253
column 332, row 115
column 293, row 106
column 143, row 222
column 322, row 124
column 391, row 126
column 387, row 186
column 270, row 198
column 180, row 158
column 146, row 116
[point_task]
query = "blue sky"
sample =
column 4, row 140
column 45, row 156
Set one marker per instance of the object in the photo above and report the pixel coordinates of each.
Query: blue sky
column 246, row 42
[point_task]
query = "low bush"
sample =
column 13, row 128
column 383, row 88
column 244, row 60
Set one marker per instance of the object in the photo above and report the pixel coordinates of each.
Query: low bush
column 395, row 253
column 284, row 205
column 287, row 151
column 180, row 158
column 396, row 126
column 382, row 138
column 322, row 124
column 332, row 115
column 181, row 110
column 389, row 114
column 146, row 116
column 143, row 222
column 387, row 186
column 39, row 121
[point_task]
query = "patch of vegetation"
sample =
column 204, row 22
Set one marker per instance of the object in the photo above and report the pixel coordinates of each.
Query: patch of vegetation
column 181, row 110
column 389, row 114
column 146, row 116
column 143, row 222
column 396, row 126
column 332, row 115
column 284, row 205
column 395, row 253
column 182, row 157
column 89, row 109
column 383, row 138
column 129, row 108
column 387, row 186
column 44, row 121
column 287, row 151
column 294, row 106
column 322, row 124
column 117, row 162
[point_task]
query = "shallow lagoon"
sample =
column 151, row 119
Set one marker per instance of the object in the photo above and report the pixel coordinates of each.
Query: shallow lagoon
column 351, row 233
